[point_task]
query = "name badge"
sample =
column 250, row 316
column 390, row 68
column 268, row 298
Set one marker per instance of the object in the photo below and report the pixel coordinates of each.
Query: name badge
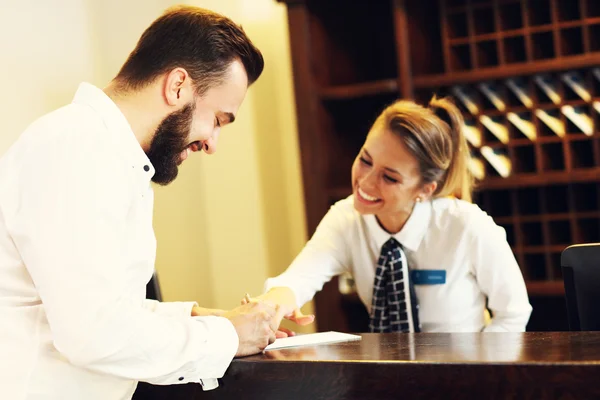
column 428, row 276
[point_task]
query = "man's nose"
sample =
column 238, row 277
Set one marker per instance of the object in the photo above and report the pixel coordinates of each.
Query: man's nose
column 210, row 146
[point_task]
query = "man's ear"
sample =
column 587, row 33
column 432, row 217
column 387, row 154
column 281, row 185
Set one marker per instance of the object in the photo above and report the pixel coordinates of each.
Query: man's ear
column 178, row 89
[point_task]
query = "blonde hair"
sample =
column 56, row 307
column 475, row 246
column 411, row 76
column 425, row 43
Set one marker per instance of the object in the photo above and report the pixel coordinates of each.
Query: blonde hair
column 434, row 136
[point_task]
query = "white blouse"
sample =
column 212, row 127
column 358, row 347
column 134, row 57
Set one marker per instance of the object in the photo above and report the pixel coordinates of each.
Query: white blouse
column 449, row 236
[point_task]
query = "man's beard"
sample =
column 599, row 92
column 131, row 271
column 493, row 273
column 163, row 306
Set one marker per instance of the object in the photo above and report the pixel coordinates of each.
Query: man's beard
column 169, row 141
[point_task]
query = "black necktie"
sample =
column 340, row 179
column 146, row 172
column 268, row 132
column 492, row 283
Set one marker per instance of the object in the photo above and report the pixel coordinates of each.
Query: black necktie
column 393, row 292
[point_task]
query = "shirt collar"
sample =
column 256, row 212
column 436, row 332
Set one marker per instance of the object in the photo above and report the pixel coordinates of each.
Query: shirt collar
column 117, row 125
column 411, row 234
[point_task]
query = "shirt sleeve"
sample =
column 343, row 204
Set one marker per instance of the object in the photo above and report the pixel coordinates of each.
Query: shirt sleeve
column 500, row 278
column 174, row 308
column 69, row 227
column 325, row 255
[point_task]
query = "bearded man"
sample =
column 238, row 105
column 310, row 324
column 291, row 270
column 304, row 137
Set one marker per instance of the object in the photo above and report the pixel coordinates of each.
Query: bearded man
column 77, row 245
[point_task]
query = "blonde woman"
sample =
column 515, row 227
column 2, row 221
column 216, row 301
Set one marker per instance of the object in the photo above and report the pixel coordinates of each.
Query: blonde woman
column 424, row 258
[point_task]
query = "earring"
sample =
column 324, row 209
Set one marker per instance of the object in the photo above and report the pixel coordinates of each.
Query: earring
column 418, row 199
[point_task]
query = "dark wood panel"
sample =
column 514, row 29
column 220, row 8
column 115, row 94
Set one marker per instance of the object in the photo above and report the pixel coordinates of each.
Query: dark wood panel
column 352, row 91
column 575, row 62
column 549, row 178
column 313, row 154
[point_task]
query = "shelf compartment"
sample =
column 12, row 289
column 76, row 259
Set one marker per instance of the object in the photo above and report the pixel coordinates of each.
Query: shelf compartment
column 492, row 99
column 542, row 44
column 522, row 126
column 457, row 25
column 594, row 35
column 501, row 136
column 592, row 8
column 568, row 10
column 487, row 54
column 586, row 115
column 594, row 81
column 552, row 157
column 532, row 234
column 484, row 21
column 550, row 99
column 586, row 196
column 557, row 199
column 582, row 154
column 539, row 12
column 460, row 58
column 511, row 16
column 514, row 50
column 343, row 54
column 559, row 233
column 535, row 267
column 523, row 87
column 497, row 203
column 575, row 81
column 528, row 201
column 524, row 159
column 550, row 121
column 571, row 41
column 588, row 230
column 490, row 171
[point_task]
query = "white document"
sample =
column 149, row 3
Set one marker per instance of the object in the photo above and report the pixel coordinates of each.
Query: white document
column 312, row 339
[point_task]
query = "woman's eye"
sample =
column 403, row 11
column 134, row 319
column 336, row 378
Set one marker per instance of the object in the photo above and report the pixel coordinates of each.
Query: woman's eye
column 365, row 161
column 390, row 179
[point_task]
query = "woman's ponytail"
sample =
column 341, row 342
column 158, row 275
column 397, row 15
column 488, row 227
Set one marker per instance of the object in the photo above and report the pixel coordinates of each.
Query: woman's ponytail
column 459, row 180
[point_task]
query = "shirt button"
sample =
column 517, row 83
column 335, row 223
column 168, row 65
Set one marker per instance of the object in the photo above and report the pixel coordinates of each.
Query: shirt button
column 181, row 378
column 146, row 168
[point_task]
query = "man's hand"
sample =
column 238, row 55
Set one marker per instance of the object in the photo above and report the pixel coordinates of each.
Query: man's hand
column 286, row 301
column 252, row 323
column 203, row 312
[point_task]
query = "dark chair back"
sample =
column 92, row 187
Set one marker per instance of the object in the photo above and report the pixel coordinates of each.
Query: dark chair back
column 581, row 274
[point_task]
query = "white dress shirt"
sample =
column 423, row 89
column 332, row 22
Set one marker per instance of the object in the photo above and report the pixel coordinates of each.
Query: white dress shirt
column 444, row 234
column 76, row 251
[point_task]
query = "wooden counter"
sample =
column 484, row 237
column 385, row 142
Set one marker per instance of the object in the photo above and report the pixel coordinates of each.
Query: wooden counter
column 534, row 365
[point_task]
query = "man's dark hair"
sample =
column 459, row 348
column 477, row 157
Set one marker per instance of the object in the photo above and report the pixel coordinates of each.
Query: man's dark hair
column 202, row 42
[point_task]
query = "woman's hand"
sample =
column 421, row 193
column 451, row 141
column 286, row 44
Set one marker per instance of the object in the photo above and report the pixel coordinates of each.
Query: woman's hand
column 299, row 318
column 284, row 297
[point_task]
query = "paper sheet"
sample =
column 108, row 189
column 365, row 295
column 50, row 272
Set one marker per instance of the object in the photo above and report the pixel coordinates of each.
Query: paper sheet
column 312, row 339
